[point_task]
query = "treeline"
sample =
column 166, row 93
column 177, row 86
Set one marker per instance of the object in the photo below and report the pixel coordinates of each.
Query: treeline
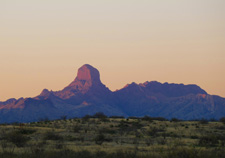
column 103, row 117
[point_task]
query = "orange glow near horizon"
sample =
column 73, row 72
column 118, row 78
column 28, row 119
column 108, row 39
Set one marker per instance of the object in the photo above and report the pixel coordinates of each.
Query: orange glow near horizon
column 43, row 43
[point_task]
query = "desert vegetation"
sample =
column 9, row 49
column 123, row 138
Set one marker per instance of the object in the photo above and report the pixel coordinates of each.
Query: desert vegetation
column 99, row 136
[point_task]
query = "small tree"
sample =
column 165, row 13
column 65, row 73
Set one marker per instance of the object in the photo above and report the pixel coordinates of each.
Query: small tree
column 101, row 116
column 175, row 120
column 86, row 118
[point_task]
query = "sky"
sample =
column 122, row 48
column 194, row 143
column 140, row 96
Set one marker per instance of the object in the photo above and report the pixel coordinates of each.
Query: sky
column 44, row 42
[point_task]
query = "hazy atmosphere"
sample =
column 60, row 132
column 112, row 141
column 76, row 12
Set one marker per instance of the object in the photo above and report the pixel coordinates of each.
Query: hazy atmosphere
column 43, row 43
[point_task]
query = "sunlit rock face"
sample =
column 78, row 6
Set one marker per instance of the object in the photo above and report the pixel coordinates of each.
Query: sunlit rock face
column 87, row 77
column 87, row 81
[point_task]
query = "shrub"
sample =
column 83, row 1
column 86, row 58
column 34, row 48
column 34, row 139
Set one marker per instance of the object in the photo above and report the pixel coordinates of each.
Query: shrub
column 182, row 153
column 133, row 117
column 154, row 131
column 101, row 116
column 86, row 118
column 107, row 130
column 222, row 120
column 26, row 131
column 59, row 144
column 209, row 140
column 52, row 136
column 136, row 125
column 76, row 129
column 204, row 121
column 37, row 148
column 16, row 138
column 159, row 119
column 161, row 141
column 174, row 120
column 124, row 126
column 149, row 141
column 194, row 137
column 117, row 117
column 99, row 139
column 147, row 118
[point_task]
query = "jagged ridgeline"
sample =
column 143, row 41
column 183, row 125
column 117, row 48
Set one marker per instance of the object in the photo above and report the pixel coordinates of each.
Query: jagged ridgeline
column 87, row 95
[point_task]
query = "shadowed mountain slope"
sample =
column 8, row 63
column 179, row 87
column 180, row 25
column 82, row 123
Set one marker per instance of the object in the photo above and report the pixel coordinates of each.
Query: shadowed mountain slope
column 87, row 95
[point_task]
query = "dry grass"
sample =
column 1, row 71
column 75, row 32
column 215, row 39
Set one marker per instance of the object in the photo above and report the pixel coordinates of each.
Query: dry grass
column 118, row 136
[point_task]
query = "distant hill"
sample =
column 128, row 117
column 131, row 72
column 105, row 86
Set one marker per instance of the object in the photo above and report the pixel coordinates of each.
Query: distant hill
column 87, row 95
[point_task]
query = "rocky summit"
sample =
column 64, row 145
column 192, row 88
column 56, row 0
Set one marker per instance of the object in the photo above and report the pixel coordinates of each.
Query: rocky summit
column 87, row 82
column 86, row 94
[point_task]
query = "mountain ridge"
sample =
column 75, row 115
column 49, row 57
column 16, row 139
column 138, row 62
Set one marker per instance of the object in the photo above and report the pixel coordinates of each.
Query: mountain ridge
column 86, row 94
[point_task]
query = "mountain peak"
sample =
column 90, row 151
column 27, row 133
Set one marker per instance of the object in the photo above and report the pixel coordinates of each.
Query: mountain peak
column 87, row 80
column 44, row 92
column 88, row 73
